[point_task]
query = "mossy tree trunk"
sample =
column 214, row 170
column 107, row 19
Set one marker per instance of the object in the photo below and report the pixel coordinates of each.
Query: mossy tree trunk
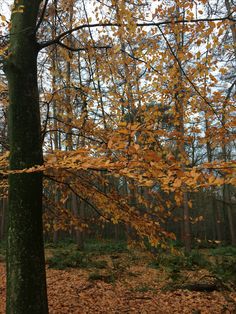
column 26, row 283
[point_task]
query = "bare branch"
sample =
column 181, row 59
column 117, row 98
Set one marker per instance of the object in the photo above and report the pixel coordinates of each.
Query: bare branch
column 42, row 15
column 151, row 24
column 76, row 49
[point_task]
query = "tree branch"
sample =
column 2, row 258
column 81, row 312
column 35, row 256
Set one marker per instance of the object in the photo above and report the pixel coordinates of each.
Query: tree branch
column 151, row 24
column 42, row 16
column 188, row 79
column 82, row 48
column 78, row 195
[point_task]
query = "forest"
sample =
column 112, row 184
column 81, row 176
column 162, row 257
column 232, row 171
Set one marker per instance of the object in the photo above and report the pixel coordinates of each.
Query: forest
column 117, row 156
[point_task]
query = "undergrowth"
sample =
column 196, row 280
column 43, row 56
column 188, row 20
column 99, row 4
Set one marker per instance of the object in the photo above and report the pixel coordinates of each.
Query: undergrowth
column 74, row 259
column 179, row 261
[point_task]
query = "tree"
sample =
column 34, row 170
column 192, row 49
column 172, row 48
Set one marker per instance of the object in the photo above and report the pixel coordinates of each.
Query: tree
column 104, row 106
column 26, row 280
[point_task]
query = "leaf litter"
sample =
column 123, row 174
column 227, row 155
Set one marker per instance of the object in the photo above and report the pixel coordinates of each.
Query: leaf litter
column 137, row 289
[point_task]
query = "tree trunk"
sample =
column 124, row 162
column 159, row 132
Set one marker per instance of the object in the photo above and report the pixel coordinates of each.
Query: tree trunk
column 26, row 283
column 3, row 218
column 227, row 201
column 180, row 107
column 218, row 221
column 232, row 25
column 79, row 234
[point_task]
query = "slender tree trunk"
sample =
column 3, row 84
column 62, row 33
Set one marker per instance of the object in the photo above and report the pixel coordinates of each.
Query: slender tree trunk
column 218, row 221
column 26, row 283
column 56, row 135
column 79, row 235
column 226, row 188
column 227, row 201
column 180, row 105
column 229, row 8
column 226, row 192
column 214, row 210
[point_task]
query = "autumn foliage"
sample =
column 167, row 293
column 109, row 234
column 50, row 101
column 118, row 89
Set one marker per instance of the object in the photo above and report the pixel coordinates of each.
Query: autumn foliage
column 137, row 110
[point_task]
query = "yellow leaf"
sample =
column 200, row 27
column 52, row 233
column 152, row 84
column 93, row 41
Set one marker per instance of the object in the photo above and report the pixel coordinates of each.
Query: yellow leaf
column 223, row 71
column 177, row 183
column 116, row 48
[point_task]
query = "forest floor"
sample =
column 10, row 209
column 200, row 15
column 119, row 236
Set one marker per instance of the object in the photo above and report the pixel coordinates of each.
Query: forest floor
column 126, row 282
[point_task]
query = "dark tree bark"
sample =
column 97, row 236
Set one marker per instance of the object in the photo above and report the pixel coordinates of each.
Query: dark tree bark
column 3, row 218
column 26, row 280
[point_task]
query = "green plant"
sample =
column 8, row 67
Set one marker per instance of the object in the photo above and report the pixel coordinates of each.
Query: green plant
column 97, row 264
column 2, row 247
column 2, row 250
column 178, row 262
column 143, row 288
column 196, row 259
column 224, row 250
column 225, row 269
column 62, row 244
column 62, row 259
column 105, row 247
column 66, row 259
column 108, row 278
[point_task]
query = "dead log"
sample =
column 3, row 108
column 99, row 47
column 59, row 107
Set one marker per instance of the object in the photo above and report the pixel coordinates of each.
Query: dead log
column 198, row 286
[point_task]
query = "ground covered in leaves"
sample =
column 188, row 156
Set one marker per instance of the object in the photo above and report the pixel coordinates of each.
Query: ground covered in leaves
column 124, row 283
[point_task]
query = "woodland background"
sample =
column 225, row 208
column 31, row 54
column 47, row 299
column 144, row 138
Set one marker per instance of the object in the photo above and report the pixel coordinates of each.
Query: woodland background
column 138, row 122
column 137, row 103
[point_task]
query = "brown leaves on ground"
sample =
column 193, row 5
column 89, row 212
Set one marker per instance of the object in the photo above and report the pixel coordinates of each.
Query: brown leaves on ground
column 138, row 290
